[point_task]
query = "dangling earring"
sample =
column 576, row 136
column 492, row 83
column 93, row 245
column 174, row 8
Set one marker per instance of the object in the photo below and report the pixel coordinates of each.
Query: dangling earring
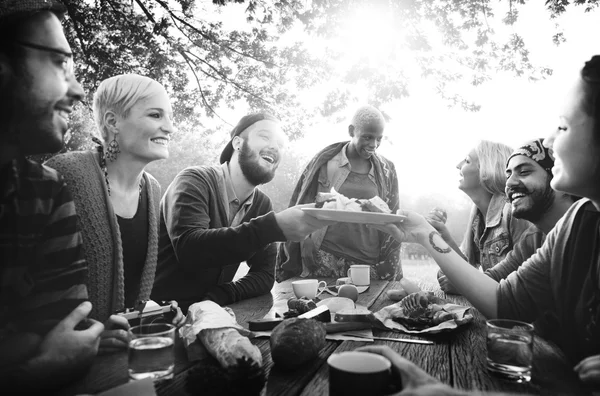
column 112, row 149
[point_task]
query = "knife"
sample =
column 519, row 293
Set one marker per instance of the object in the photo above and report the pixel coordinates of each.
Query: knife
column 321, row 314
column 408, row 340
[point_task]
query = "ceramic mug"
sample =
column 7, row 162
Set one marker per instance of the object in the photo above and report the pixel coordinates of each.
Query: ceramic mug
column 360, row 275
column 309, row 288
column 359, row 373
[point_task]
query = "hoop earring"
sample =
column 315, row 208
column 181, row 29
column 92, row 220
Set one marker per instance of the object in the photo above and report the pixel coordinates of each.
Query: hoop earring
column 112, row 149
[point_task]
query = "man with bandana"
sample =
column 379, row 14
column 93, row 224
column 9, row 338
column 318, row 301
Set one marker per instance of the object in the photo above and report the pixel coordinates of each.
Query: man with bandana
column 214, row 217
column 528, row 176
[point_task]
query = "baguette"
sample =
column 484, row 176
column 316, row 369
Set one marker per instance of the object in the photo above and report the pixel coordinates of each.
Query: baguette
column 228, row 346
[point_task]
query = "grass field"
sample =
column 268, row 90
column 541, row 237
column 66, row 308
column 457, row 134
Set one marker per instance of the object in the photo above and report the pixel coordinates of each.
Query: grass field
column 420, row 270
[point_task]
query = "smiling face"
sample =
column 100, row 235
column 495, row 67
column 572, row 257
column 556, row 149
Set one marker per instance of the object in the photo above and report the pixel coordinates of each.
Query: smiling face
column 469, row 172
column 45, row 94
column 144, row 133
column 576, row 149
column 260, row 148
column 366, row 139
column 528, row 188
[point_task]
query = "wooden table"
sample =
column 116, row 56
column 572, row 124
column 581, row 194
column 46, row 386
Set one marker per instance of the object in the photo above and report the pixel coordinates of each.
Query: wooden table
column 458, row 358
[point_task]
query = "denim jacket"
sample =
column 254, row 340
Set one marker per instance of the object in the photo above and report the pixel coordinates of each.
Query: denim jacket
column 500, row 234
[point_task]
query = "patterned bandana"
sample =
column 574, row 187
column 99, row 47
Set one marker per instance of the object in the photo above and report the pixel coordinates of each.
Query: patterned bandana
column 536, row 151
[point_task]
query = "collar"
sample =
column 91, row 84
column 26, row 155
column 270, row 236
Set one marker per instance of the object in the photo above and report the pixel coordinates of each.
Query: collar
column 344, row 161
column 231, row 197
column 494, row 212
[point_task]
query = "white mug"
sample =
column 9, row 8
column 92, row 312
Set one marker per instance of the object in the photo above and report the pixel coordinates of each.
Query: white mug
column 360, row 274
column 309, row 288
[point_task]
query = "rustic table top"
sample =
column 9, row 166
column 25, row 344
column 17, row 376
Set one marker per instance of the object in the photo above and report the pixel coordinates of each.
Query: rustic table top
column 457, row 358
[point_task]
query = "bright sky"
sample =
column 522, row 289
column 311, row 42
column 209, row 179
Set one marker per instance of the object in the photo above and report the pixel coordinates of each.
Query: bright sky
column 425, row 138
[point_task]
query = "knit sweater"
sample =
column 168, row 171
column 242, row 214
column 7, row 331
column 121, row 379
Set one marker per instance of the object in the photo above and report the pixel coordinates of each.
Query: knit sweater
column 101, row 236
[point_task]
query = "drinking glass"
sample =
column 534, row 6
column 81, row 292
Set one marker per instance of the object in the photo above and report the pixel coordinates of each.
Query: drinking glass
column 510, row 349
column 152, row 351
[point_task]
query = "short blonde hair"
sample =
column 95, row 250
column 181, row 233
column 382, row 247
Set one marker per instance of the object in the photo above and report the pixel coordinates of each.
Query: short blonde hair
column 119, row 94
column 492, row 159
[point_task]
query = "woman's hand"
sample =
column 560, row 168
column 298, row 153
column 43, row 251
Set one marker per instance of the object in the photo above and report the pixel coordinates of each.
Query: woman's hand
column 116, row 334
column 588, row 370
column 413, row 380
column 179, row 318
column 437, row 218
column 414, row 228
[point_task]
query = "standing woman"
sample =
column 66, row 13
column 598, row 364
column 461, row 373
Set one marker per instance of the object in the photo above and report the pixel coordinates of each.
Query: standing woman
column 492, row 231
column 117, row 202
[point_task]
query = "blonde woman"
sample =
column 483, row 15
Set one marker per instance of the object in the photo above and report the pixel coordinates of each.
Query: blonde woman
column 117, row 202
column 492, row 230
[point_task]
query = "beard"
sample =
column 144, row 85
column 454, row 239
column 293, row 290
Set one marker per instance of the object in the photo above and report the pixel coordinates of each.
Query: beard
column 250, row 165
column 30, row 120
column 542, row 202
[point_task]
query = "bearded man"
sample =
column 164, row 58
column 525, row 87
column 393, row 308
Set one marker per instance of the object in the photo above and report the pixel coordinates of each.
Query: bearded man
column 528, row 176
column 215, row 217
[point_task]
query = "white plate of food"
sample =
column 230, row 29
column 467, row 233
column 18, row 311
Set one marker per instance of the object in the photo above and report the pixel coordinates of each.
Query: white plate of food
column 347, row 216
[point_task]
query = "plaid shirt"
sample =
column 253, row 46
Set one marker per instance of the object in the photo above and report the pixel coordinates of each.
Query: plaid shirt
column 42, row 271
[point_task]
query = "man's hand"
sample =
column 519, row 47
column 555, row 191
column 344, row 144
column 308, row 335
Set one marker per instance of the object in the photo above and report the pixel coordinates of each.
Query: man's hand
column 297, row 225
column 445, row 284
column 413, row 229
column 412, row 379
column 179, row 319
column 116, row 335
column 64, row 346
column 588, row 370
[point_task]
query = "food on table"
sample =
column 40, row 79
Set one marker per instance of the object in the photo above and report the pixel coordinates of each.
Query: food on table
column 397, row 294
column 420, row 310
column 354, row 315
column 229, row 347
column 409, row 286
column 296, row 341
column 337, row 201
column 349, row 291
column 337, row 303
column 238, row 367
column 298, row 306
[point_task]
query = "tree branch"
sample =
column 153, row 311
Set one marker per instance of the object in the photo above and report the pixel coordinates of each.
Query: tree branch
column 227, row 80
column 208, row 37
column 187, row 60
column 145, row 10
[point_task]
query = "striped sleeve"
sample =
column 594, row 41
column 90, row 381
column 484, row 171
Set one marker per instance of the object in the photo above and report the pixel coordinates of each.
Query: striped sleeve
column 59, row 272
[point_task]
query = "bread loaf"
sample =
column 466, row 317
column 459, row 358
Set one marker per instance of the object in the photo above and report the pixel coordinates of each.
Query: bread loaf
column 296, row 341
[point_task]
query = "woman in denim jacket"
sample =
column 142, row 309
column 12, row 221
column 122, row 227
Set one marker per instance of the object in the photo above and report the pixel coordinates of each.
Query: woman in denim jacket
column 492, row 231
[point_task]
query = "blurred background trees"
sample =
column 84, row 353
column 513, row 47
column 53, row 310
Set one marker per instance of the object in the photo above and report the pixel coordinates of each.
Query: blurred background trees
column 308, row 61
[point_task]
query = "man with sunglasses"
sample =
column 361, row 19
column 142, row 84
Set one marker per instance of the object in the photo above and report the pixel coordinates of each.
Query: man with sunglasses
column 46, row 339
